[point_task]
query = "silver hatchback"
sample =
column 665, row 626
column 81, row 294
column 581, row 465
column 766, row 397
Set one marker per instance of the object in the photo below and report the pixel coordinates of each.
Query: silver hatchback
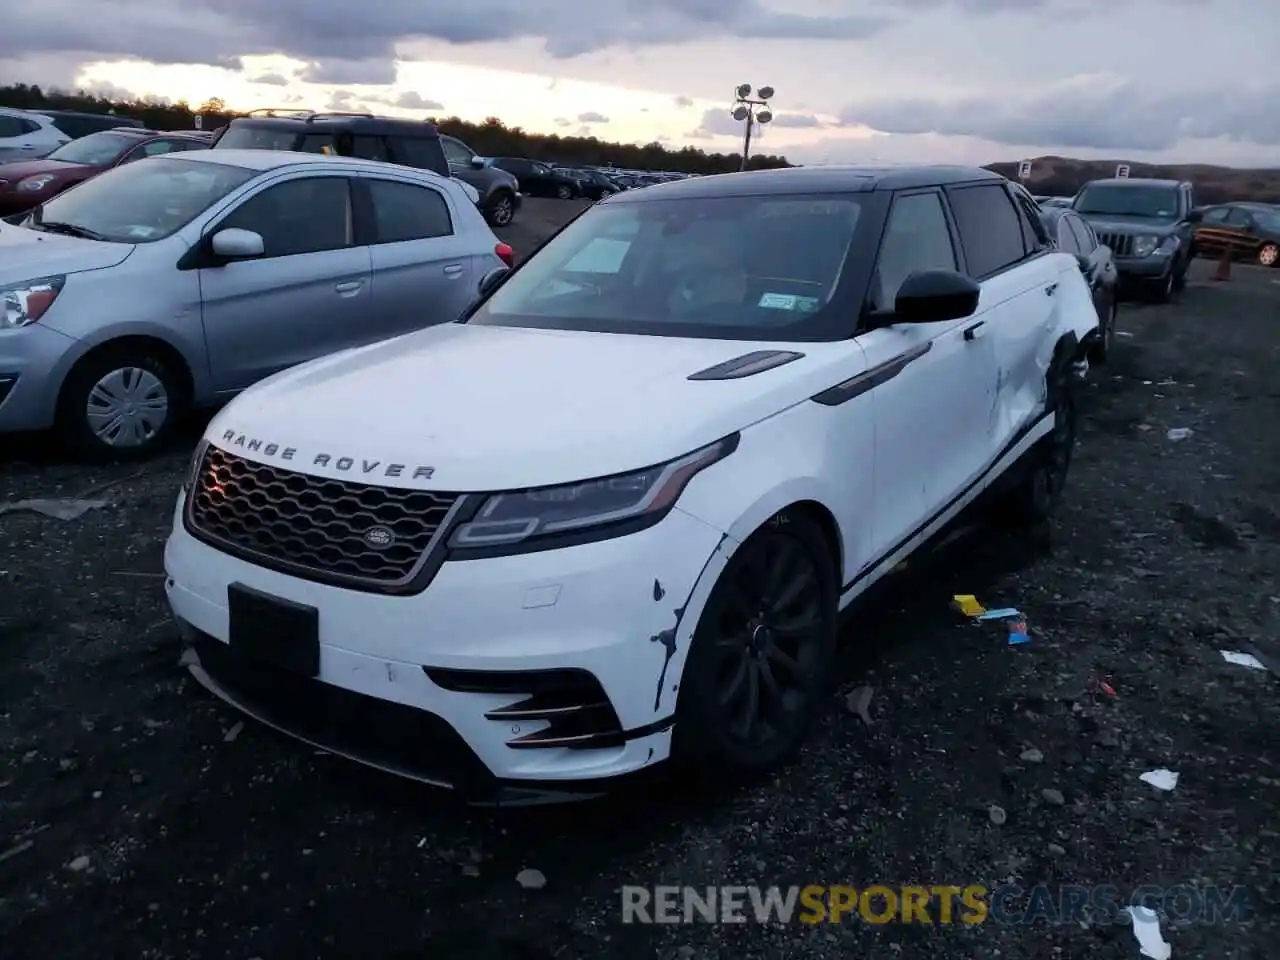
column 179, row 281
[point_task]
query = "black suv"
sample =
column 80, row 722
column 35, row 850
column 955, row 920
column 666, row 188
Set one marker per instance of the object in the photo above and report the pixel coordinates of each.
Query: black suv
column 1150, row 226
column 410, row 143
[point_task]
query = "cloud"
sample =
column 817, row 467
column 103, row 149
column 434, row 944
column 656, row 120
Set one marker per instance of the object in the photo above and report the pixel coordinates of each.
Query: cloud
column 683, row 103
column 110, row 91
column 716, row 123
column 412, row 100
column 563, row 122
column 373, row 73
column 271, row 80
column 355, row 43
column 796, row 121
column 1095, row 112
column 592, row 117
column 342, row 100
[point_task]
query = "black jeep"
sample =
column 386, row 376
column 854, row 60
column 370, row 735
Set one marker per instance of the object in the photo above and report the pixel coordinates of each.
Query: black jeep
column 410, row 143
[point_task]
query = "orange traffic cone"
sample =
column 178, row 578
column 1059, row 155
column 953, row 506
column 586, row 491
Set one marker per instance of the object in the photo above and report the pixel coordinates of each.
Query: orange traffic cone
column 1223, row 273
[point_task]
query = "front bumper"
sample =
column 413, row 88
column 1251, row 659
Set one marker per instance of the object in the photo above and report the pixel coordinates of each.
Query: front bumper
column 33, row 360
column 1144, row 268
column 461, row 685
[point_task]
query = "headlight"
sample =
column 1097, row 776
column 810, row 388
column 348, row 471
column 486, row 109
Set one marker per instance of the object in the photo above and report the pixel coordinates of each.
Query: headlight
column 193, row 468
column 1169, row 244
column 1144, row 246
column 593, row 509
column 37, row 183
column 26, row 302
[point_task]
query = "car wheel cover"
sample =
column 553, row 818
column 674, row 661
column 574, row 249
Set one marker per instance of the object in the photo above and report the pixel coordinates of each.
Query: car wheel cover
column 128, row 407
column 564, row 193
column 768, row 640
column 1268, row 255
column 502, row 211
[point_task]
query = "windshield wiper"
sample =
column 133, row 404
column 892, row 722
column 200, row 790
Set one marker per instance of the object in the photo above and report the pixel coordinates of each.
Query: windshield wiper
column 69, row 229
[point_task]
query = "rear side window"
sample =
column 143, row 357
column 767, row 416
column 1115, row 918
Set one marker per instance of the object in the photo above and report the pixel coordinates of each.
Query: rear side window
column 990, row 228
column 422, row 153
column 404, row 211
column 369, row 148
column 298, row 216
column 16, row 126
column 316, row 143
column 240, row 136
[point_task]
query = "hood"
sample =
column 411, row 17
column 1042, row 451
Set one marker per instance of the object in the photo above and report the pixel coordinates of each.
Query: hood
column 494, row 408
column 28, row 254
column 1112, row 223
column 64, row 172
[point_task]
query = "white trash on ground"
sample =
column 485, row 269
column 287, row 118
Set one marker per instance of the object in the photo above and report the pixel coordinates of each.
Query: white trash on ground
column 1179, row 433
column 1242, row 659
column 1161, row 779
column 1146, row 930
column 58, row 509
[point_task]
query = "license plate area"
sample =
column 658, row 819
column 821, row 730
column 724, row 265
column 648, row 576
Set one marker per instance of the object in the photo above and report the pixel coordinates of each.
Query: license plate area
column 274, row 630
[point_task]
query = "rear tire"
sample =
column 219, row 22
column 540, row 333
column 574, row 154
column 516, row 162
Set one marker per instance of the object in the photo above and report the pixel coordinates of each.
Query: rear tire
column 120, row 404
column 756, row 672
column 1039, row 490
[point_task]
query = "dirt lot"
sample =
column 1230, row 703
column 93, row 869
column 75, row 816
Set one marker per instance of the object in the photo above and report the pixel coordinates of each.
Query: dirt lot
column 139, row 818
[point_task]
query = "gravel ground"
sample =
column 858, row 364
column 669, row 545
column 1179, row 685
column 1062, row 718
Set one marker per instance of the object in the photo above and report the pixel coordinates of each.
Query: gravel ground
column 140, row 818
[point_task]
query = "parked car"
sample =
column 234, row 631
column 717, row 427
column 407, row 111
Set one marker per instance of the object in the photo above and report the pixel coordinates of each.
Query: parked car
column 408, row 143
column 1047, row 202
column 1251, row 230
column 26, row 184
column 1149, row 226
column 75, row 124
column 591, row 185
column 27, row 136
column 609, row 519
column 499, row 190
column 538, row 179
column 1073, row 235
column 180, row 280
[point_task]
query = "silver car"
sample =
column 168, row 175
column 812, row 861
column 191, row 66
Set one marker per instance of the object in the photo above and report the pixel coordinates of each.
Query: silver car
column 181, row 280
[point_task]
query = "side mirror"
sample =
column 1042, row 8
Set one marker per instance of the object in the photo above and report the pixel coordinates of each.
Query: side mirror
column 477, row 163
column 934, row 296
column 1195, row 216
column 492, row 279
column 236, row 244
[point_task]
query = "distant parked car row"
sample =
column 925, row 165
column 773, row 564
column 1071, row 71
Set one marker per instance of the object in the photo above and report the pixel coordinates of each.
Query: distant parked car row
column 30, row 135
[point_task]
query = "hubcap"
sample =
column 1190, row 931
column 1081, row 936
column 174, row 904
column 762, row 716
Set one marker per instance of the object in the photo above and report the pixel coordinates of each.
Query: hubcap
column 127, row 408
column 502, row 212
column 1269, row 255
column 770, row 631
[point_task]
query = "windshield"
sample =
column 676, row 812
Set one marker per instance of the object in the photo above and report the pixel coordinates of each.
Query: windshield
column 1268, row 220
column 96, row 150
column 140, row 202
column 1128, row 201
column 737, row 268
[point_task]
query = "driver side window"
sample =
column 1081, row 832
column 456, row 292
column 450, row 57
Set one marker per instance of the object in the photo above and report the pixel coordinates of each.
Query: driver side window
column 308, row 215
column 456, row 153
column 915, row 238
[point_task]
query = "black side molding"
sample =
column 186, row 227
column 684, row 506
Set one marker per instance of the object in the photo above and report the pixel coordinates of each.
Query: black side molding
column 747, row 365
column 870, row 379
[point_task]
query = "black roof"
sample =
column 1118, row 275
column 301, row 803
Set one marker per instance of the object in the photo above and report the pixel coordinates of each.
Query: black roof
column 122, row 121
column 799, row 180
column 354, row 123
column 1141, row 181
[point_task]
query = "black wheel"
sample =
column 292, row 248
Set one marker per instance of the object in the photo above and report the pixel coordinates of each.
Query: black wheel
column 1044, row 478
column 501, row 210
column 564, row 192
column 1100, row 349
column 1269, row 255
column 1180, row 275
column 756, row 672
column 120, row 405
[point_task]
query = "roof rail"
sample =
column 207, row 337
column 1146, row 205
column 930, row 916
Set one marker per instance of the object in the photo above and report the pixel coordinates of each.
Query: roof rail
column 338, row 113
column 278, row 111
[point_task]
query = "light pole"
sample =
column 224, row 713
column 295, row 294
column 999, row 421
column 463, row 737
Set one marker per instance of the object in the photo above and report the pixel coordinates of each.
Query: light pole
column 753, row 112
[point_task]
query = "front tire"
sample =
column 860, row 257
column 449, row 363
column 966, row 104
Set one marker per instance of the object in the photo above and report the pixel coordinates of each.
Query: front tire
column 564, row 192
column 1161, row 291
column 1269, row 255
column 1100, row 350
column 756, row 672
column 120, row 405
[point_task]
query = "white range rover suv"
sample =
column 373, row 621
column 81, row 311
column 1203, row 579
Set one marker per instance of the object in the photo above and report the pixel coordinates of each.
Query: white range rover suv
column 610, row 516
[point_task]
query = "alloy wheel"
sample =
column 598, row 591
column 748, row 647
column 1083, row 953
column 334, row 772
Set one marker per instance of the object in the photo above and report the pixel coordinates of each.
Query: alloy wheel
column 502, row 213
column 128, row 407
column 1268, row 255
column 769, row 641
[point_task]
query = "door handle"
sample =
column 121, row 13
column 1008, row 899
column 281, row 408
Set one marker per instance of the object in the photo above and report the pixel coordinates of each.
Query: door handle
column 975, row 332
column 1050, row 290
column 349, row 286
column 453, row 270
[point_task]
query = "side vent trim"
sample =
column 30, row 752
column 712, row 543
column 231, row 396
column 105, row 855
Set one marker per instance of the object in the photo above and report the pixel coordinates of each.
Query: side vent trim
column 747, row 365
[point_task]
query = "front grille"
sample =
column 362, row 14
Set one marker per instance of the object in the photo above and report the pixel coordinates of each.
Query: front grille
column 1121, row 244
column 315, row 527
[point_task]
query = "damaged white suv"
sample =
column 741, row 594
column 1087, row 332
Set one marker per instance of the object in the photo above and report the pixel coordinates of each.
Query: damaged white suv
column 609, row 518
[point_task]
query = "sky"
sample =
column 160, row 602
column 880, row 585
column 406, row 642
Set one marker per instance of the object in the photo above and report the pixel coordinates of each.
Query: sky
column 856, row 81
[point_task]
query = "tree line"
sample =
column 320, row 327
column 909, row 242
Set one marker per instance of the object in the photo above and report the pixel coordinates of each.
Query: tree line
column 489, row 138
